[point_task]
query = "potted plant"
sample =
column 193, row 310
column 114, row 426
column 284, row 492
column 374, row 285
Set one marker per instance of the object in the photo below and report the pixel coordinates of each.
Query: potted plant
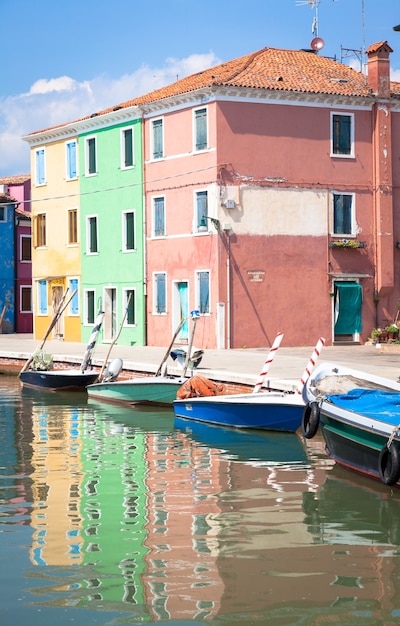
column 392, row 331
column 376, row 335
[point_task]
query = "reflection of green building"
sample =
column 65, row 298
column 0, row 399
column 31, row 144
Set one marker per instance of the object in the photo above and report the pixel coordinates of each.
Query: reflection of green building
column 113, row 506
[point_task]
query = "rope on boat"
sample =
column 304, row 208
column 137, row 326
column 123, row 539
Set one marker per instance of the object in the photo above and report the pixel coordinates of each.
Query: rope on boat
column 395, row 430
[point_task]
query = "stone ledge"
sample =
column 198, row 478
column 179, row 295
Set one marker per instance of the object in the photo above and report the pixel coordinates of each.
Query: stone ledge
column 388, row 348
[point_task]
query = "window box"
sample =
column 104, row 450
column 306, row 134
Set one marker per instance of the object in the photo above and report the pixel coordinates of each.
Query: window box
column 346, row 243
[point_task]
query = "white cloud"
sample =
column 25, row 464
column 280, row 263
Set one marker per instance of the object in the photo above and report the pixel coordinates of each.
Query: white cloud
column 52, row 101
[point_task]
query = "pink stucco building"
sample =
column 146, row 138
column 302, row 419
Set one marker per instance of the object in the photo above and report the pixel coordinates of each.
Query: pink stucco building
column 271, row 200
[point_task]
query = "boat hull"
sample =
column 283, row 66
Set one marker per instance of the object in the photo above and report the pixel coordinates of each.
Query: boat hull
column 160, row 390
column 58, row 380
column 356, row 438
column 267, row 411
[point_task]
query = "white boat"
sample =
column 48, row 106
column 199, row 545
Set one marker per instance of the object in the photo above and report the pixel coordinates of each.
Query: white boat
column 359, row 416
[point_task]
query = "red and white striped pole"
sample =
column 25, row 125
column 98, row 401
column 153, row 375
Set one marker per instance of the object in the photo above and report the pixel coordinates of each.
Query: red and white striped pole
column 270, row 358
column 311, row 363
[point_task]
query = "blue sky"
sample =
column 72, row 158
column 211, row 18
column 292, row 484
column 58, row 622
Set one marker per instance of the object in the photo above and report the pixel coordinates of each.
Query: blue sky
column 62, row 61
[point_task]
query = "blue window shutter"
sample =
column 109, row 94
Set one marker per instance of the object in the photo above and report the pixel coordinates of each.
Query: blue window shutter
column 40, row 178
column 201, row 129
column 43, row 297
column 75, row 300
column 159, row 217
column 202, row 206
column 161, row 295
column 71, row 150
column 204, row 292
column 158, row 148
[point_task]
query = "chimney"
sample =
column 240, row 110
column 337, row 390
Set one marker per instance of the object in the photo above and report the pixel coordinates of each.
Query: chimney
column 379, row 68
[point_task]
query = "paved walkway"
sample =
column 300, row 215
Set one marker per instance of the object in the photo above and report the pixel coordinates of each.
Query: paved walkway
column 241, row 366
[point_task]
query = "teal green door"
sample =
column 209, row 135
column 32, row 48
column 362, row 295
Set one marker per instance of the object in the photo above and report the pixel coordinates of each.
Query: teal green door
column 348, row 304
column 183, row 308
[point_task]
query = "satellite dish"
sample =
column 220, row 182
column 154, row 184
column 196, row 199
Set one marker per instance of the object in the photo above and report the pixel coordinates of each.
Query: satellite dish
column 317, row 43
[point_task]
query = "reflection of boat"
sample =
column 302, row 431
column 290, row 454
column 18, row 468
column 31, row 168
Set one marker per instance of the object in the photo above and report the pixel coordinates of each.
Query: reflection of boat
column 359, row 415
column 40, row 374
column 146, row 418
column 158, row 389
column 247, row 445
column 352, row 510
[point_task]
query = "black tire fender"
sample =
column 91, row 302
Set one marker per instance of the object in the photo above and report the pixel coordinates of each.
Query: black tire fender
column 310, row 420
column 389, row 464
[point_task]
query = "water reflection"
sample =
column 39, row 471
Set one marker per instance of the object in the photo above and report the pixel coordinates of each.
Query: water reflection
column 125, row 516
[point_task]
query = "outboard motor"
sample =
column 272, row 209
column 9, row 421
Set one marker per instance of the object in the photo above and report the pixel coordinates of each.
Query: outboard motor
column 112, row 370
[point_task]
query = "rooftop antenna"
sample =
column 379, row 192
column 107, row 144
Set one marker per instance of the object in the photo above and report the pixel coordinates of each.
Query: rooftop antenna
column 317, row 43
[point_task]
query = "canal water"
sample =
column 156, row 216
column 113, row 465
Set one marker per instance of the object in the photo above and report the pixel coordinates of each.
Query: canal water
column 112, row 516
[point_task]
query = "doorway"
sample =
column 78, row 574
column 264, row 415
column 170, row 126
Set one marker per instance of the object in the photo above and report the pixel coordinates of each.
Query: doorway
column 110, row 313
column 56, row 297
column 347, row 309
column 181, row 309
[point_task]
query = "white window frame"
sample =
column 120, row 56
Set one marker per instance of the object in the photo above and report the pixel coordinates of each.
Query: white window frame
column 67, row 159
column 125, row 295
column 197, row 291
column 152, row 142
column 338, row 155
column 21, row 288
column 197, row 222
column 87, row 155
column 38, row 181
column 3, row 213
column 195, row 149
column 123, row 144
column 21, row 248
column 86, row 321
column 353, row 232
column 75, row 299
column 89, row 252
column 72, row 244
column 155, row 292
column 154, row 199
column 124, row 229
column 39, row 300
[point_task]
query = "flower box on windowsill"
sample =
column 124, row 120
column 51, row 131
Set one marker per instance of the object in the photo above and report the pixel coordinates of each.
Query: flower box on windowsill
column 346, row 243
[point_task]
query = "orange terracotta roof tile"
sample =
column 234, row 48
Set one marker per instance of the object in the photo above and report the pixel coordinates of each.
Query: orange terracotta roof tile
column 15, row 180
column 270, row 69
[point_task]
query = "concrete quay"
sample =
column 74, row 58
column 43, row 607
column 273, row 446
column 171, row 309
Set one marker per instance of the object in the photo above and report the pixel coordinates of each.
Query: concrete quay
column 240, row 366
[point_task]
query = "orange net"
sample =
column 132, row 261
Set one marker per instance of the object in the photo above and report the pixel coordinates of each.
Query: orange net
column 200, row 386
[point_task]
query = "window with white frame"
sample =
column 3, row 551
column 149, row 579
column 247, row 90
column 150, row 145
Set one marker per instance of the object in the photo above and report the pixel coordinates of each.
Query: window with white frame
column 74, row 304
column 25, row 299
column 157, row 139
column 90, row 156
column 41, row 230
column 203, row 291
column 72, row 226
column 71, row 159
column 130, row 306
column 92, row 244
column 160, row 292
column 342, row 134
column 42, row 297
column 40, row 166
column 200, row 129
column 3, row 213
column 26, row 249
column 127, row 155
column 201, row 209
column 159, row 217
column 89, row 306
column 343, row 214
column 128, row 234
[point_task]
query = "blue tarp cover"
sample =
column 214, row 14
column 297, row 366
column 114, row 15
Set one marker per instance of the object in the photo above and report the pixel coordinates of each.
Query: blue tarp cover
column 380, row 405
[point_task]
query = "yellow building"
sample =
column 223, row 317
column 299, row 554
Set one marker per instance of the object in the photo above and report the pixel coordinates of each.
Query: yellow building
column 55, row 231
